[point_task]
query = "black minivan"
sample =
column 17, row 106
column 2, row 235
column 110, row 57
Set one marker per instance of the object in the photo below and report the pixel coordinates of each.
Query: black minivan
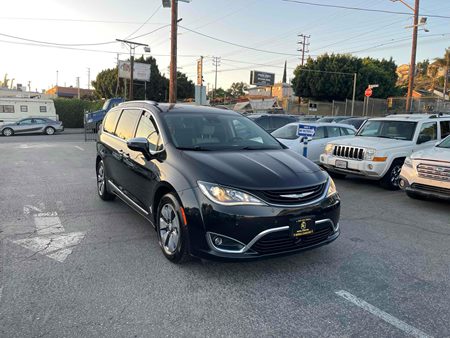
column 213, row 183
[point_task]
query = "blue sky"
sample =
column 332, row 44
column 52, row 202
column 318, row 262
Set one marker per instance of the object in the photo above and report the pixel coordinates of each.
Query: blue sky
column 271, row 25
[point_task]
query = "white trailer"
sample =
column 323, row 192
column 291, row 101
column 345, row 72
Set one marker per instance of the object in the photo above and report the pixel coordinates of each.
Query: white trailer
column 14, row 108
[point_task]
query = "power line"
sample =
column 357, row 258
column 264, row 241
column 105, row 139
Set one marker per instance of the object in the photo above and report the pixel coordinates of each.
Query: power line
column 364, row 9
column 77, row 20
column 58, row 44
column 146, row 21
column 235, row 44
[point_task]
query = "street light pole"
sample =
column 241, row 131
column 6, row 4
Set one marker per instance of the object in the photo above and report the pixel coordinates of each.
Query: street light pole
column 173, row 53
column 354, row 93
column 412, row 65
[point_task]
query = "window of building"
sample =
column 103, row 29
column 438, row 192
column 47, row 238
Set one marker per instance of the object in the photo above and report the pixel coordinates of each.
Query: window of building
column 43, row 109
column 7, row 109
column 127, row 123
column 23, row 109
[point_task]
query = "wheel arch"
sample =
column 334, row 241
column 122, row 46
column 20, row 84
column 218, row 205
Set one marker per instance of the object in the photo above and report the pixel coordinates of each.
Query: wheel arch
column 162, row 189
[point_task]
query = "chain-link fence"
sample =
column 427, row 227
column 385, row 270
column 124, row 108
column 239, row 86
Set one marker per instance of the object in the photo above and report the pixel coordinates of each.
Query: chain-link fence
column 90, row 130
column 397, row 105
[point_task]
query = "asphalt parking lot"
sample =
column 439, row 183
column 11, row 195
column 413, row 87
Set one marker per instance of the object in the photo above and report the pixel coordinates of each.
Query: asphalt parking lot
column 75, row 266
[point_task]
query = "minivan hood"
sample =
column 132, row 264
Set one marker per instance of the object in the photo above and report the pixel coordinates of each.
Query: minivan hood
column 433, row 154
column 260, row 169
column 377, row 143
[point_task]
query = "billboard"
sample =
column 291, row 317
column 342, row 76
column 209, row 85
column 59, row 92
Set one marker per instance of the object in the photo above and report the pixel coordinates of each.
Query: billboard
column 141, row 71
column 261, row 78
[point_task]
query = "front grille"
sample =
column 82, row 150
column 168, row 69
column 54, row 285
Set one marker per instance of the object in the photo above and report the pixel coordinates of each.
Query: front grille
column 288, row 197
column 434, row 172
column 430, row 188
column 282, row 241
column 352, row 153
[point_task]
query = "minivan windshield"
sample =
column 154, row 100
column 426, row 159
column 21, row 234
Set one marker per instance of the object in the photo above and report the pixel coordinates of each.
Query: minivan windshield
column 398, row 130
column 445, row 143
column 204, row 132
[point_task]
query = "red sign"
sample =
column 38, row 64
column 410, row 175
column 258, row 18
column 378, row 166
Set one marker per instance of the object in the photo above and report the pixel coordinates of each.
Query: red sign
column 368, row 92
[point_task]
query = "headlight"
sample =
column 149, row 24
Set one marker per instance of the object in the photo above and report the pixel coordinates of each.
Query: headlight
column 227, row 196
column 329, row 148
column 90, row 120
column 408, row 162
column 369, row 154
column 331, row 188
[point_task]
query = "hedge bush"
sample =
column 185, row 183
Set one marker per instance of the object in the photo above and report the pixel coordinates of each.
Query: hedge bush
column 71, row 111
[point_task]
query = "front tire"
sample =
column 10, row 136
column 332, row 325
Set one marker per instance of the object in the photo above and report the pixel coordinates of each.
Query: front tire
column 8, row 132
column 171, row 230
column 49, row 131
column 102, row 188
column 390, row 179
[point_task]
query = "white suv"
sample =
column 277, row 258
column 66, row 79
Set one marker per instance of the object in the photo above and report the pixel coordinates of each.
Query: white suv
column 426, row 173
column 381, row 145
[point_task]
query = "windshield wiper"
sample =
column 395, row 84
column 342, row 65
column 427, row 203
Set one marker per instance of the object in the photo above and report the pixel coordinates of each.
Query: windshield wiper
column 195, row 148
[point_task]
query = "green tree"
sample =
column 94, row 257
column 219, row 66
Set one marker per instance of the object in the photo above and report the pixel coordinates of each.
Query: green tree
column 320, row 79
column 105, row 83
column 185, row 87
column 238, row 89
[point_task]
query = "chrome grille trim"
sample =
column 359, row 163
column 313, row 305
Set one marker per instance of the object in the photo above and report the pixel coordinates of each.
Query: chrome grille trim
column 349, row 152
column 434, row 172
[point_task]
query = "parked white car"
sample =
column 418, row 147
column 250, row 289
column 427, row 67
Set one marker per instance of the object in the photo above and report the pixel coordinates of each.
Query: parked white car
column 426, row 173
column 325, row 132
column 381, row 145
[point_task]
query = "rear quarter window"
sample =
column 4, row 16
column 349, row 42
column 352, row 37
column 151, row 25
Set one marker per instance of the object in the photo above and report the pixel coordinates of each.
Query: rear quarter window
column 110, row 122
column 127, row 123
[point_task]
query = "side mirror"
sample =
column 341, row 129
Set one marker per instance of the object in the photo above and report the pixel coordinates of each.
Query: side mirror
column 139, row 144
column 423, row 139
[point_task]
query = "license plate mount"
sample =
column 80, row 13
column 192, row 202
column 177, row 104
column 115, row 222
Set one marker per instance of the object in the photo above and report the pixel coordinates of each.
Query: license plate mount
column 302, row 227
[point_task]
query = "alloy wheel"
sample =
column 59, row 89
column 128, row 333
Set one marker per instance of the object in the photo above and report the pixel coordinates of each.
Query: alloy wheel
column 49, row 131
column 395, row 173
column 169, row 229
column 7, row 132
column 101, row 179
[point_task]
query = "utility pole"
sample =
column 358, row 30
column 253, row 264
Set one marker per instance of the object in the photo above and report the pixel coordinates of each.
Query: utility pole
column 216, row 63
column 118, row 78
column 173, row 53
column 57, row 77
column 78, row 87
column 354, row 93
column 412, row 65
column 304, row 43
column 89, row 78
column 132, row 45
column 447, row 74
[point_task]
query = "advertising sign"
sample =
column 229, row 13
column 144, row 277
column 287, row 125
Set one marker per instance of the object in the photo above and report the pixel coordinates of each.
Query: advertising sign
column 306, row 131
column 141, row 72
column 261, row 78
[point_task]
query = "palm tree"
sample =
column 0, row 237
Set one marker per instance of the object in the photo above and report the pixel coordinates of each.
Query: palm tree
column 442, row 63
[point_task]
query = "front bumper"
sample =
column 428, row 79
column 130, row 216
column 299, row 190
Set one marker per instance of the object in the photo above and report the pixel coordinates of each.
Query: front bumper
column 369, row 169
column 262, row 231
column 411, row 182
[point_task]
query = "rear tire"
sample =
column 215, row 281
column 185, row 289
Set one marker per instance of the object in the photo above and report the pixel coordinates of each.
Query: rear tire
column 8, row 132
column 49, row 131
column 390, row 179
column 102, row 187
column 171, row 230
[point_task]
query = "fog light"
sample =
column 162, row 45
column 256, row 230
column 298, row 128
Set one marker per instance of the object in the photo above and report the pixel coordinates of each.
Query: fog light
column 218, row 241
column 370, row 166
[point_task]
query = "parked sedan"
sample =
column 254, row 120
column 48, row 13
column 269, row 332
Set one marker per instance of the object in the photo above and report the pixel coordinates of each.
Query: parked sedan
column 325, row 132
column 32, row 126
column 271, row 122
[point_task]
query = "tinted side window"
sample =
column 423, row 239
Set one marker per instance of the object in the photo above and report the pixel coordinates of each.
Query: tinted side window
column 320, row 133
column 278, row 122
column 263, row 122
column 43, row 109
column 26, row 122
column 110, row 122
column 127, row 123
column 333, row 132
column 347, row 131
column 147, row 129
column 445, row 129
column 428, row 131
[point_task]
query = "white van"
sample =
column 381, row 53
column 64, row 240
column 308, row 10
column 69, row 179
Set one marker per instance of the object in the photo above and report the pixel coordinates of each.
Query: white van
column 14, row 109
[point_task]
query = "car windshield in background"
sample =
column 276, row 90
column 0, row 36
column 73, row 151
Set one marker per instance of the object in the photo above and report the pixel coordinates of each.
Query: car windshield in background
column 203, row 132
column 398, row 130
column 288, row 132
column 445, row 143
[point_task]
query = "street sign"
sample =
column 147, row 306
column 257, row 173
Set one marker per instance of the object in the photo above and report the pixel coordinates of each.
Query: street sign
column 305, row 130
column 200, row 72
column 368, row 92
column 262, row 78
column 371, row 86
column 312, row 107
